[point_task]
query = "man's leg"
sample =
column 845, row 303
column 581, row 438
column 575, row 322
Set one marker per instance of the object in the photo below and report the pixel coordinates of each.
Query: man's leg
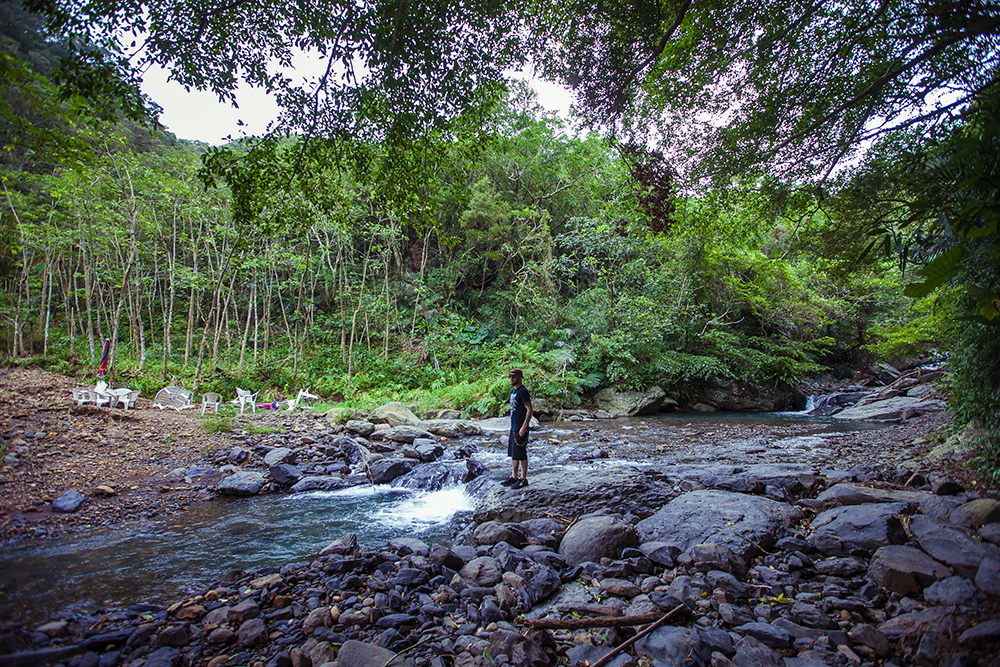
column 524, row 469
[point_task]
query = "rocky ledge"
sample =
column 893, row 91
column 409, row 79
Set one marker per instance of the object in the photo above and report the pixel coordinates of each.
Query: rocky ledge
column 654, row 565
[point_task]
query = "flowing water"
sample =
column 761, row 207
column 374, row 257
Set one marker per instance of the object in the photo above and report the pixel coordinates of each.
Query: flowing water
column 164, row 561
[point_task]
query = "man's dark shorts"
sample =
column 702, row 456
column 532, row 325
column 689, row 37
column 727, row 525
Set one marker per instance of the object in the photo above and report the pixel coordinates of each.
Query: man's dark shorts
column 517, row 447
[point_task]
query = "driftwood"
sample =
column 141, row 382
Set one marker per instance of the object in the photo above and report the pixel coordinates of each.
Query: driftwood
column 580, row 623
column 639, row 635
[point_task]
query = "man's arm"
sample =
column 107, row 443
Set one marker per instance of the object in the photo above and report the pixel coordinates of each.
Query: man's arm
column 527, row 418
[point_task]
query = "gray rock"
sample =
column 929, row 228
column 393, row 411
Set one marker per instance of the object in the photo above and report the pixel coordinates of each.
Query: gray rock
column 589, row 655
column 576, row 493
column 976, row 513
column 384, row 471
column 905, row 570
column 321, row 483
column 596, row 537
column 494, row 532
column 343, row 546
column 394, row 414
column 734, row 615
column 168, row 656
column 661, row 553
column 280, row 455
column 951, row 545
column 247, row 483
column 483, row 571
column 812, row 616
column 711, row 556
column 359, row 654
column 669, row 644
column 990, row 532
column 888, row 409
column 405, row 433
column 285, row 474
column 744, row 479
column 252, row 632
column 452, row 428
column 953, row 590
column 747, row 397
column 843, row 530
column 986, row 631
column 68, row 502
column 934, row 619
column 988, row 576
column 630, row 403
column 360, row 427
column 766, row 633
column 439, row 475
column 752, row 653
column 855, row 494
column 868, row 635
column 732, row 520
column 414, row 544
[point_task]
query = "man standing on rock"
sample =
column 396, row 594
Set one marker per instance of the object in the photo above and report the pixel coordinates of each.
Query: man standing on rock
column 517, row 441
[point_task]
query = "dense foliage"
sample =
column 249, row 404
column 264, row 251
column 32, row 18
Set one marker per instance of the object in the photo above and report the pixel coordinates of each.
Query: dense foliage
column 413, row 223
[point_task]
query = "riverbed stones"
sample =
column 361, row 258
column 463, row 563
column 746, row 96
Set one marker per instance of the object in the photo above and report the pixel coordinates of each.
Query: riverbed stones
column 68, row 502
column 280, row 455
column 245, row 483
column 844, row 530
column 736, row 521
column 976, row 513
column 988, row 576
column 323, row 483
column 494, row 532
column 792, row 478
column 285, row 474
column 886, row 409
column 595, row 537
column 905, row 569
column 951, row 545
column 452, row 428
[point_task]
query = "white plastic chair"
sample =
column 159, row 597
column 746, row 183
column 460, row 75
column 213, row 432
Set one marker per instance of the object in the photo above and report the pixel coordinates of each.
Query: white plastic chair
column 173, row 397
column 82, row 396
column 302, row 396
column 245, row 398
column 128, row 400
column 210, row 400
column 101, row 396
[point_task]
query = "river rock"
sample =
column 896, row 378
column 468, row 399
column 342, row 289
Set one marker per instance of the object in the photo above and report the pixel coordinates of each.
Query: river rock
column 732, row 520
column 384, row 471
column 440, row 475
column 406, row 433
column 905, row 570
column 575, row 493
column 988, row 576
column 168, row 656
column 595, row 537
column 494, row 532
column 770, row 635
column 951, row 545
column 976, row 513
column 630, row 403
column 743, row 397
column 953, row 590
column 252, row 632
column 669, row 644
column 285, row 474
column 482, row 571
column 452, row 428
column 322, row 483
column 68, row 502
column 394, row 414
column 843, row 530
column 932, row 619
column 280, row 455
column 855, row 494
column 360, row 427
column 752, row 653
column 986, row 631
column 343, row 546
column 884, row 410
column 246, row 483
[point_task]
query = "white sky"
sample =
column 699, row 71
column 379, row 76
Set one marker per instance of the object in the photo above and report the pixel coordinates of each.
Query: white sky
column 198, row 115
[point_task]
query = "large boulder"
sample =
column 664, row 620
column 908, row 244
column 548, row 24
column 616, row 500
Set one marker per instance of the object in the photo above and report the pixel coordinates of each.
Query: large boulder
column 322, row 483
column 440, row 475
column 736, row 521
column 742, row 397
column 384, row 471
column 843, row 530
column 856, row 494
column 630, row 403
column 451, row 428
column 394, row 414
column 406, row 433
column 595, row 537
column 889, row 409
column 756, row 478
column 905, row 570
column 951, row 545
column 575, row 493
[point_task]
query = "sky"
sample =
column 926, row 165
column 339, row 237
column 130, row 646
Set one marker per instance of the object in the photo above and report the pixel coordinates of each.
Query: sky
column 199, row 116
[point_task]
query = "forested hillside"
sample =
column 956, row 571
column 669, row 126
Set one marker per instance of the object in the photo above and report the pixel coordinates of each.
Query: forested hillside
column 369, row 267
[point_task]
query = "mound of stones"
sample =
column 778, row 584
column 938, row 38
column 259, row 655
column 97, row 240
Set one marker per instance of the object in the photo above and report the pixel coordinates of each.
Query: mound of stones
column 751, row 566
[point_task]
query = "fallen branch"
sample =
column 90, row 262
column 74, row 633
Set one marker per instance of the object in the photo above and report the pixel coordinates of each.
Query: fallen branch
column 579, row 623
column 639, row 635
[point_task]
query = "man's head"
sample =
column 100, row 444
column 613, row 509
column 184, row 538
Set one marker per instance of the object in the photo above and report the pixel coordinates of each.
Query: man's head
column 516, row 376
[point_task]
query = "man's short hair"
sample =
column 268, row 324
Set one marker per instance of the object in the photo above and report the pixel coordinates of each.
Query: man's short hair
column 516, row 372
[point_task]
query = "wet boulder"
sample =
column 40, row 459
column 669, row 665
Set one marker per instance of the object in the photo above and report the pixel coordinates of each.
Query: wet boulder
column 285, row 474
column 440, row 475
column 843, row 530
column 406, row 433
column 322, row 483
column 246, row 483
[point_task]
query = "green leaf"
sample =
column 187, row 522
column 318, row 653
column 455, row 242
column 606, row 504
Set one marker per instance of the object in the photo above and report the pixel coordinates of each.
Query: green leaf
column 938, row 272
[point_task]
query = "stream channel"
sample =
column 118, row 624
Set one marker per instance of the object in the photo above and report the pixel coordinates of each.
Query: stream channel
column 181, row 556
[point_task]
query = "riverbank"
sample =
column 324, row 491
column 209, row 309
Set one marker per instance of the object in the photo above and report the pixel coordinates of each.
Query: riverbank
column 453, row 604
